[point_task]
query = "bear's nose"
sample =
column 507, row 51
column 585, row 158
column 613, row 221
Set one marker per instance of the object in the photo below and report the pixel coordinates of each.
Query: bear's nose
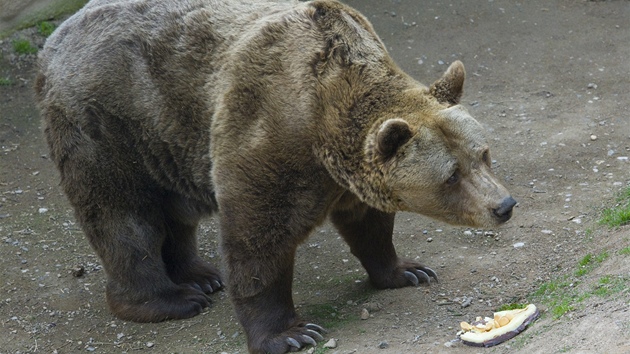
column 504, row 211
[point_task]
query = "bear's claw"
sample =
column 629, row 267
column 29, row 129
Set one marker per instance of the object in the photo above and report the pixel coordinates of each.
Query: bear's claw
column 293, row 343
column 309, row 340
column 315, row 334
column 417, row 276
column 316, row 328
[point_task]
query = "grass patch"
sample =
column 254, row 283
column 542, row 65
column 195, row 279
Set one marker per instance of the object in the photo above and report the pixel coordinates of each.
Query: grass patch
column 586, row 264
column 23, row 46
column 5, row 81
column 618, row 215
column 624, row 251
column 564, row 294
column 508, row 307
column 45, row 28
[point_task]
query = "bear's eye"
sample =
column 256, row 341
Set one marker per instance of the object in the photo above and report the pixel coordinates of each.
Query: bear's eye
column 453, row 179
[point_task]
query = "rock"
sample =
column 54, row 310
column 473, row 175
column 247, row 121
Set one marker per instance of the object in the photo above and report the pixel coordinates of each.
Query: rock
column 383, row 345
column 591, row 86
column 332, row 343
column 78, row 271
column 593, row 137
column 429, row 239
column 519, row 244
column 150, row 344
column 373, row 306
column 365, row 314
column 449, row 344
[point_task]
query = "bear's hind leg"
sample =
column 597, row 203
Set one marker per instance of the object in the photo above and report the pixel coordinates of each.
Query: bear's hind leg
column 139, row 288
column 180, row 252
column 120, row 208
column 368, row 232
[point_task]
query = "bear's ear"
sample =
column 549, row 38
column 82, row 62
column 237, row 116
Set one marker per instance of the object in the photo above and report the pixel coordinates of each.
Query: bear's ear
column 449, row 88
column 391, row 135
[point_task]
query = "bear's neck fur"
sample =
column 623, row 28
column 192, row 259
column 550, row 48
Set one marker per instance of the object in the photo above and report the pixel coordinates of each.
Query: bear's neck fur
column 353, row 112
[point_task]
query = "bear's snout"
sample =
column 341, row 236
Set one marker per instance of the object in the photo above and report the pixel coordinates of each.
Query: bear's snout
column 504, row 212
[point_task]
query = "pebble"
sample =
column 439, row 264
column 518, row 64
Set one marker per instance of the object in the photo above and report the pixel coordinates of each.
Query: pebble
column 468, row 233
column 383, row 345
column 547, row 232
column 429, row 239
column 42, row 210
column 365, row 314
column 150, row 344
column 591, row 86
column 593, row 137
column 332, row 343
column 78, row 271
column 519, row 244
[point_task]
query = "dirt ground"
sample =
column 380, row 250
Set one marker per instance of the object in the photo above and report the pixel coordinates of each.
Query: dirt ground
column 550, row 80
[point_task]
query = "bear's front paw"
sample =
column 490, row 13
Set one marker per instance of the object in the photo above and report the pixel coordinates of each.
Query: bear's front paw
column 405, row 273
column 291, row 340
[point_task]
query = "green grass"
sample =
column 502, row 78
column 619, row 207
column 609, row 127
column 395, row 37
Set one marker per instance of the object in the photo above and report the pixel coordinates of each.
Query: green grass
column 564, row 294
column 624, row 251
column 23, row 46
column 5, row 81
column 586, row 264
column 618, row 215
column 45, row 28
column 513, row 306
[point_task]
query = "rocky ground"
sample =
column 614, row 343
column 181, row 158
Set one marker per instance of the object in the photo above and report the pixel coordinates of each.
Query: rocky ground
column 550, row 80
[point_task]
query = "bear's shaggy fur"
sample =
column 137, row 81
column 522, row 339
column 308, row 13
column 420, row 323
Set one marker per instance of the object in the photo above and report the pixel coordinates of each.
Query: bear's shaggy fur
column 275, row 116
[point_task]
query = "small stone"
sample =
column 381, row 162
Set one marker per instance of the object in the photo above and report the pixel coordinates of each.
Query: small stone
column 365, row 314
column 78, row 271
column 591, row 86
column 383, row 345
column 332, row 343
column 150, row 344
column 547, row 232
column 42, row 210
column 468, row 233
column 593, row 137
column 519, row 244
column 429, row 239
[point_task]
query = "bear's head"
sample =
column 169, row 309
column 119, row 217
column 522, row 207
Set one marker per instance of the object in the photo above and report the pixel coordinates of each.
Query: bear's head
column 435, row 160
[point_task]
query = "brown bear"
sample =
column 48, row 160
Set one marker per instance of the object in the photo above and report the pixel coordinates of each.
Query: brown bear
column 273, row 115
